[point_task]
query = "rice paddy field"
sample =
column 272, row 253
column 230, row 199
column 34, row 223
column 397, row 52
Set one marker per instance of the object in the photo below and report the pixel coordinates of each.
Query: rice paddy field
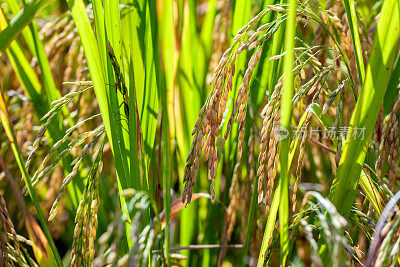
column 199, row 133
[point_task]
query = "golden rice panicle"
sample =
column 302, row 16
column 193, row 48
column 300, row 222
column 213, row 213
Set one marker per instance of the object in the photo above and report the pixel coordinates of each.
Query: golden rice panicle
column 251, row 162
column 269, row 112
column 85, row 230
column 231, row 119
column 261, row 158
column 244, row 88
column 4, row 229
column 389, row 145
column 76, row 254
column 10, row 250
column 207, row 128
column 210, row 117
column 273, row 158
column 192, row 163
column 92, row 229
column 224, row 99
column 393, row 155
column 86, row 216
column 300, row 162
column 265, row 133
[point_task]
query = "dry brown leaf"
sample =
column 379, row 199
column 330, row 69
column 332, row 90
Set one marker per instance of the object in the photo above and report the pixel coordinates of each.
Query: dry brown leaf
column 177, row 206
column 40, row 245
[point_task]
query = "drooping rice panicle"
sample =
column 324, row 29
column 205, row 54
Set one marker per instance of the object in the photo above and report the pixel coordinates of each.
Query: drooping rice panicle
column 86, row 217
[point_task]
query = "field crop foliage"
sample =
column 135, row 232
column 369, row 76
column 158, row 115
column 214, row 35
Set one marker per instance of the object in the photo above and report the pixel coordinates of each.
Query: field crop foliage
column 199, row 133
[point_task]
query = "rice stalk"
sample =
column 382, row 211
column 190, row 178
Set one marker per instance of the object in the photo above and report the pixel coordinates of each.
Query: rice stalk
column 83, row 250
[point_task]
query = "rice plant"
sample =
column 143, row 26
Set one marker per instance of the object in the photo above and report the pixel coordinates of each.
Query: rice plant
column 188, row 133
